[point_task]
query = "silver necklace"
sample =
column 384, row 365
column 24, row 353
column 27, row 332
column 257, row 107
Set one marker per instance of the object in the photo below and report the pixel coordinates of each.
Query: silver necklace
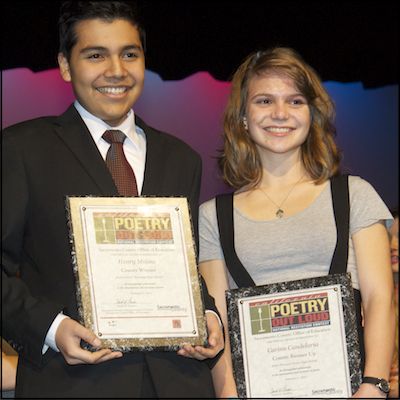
column 280, row 212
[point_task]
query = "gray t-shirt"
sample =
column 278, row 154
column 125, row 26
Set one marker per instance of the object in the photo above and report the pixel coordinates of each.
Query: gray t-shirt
column 296, row 247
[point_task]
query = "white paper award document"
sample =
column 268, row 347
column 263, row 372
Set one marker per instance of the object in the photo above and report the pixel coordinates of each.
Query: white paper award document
column 295, row 339
column 135, row 266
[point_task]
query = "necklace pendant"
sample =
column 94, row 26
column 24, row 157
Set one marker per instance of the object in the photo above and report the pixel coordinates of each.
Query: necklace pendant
column 279, row 213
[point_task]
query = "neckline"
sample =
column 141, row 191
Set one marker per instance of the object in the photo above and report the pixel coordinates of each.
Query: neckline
column 298, row 214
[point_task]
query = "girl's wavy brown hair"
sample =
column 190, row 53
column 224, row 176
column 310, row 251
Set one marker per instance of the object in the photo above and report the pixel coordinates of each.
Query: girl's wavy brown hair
column 239, row 161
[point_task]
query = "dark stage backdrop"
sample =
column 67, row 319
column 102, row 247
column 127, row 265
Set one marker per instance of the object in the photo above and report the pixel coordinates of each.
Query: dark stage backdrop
column 345, row 41
column 192, row 49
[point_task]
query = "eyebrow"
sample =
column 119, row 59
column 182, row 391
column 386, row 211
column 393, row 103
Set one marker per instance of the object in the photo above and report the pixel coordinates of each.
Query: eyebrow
column 272, row 95
column 105, row 49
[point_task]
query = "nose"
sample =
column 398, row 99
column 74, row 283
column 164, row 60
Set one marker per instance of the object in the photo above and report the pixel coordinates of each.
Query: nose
column 279, row 111
column 115, row 68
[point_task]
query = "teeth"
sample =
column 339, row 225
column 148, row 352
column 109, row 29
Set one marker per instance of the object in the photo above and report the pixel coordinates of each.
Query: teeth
column 112, row 90
column 278, row 130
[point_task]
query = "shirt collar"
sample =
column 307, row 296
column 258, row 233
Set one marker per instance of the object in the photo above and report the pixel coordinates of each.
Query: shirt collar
column 97, row 126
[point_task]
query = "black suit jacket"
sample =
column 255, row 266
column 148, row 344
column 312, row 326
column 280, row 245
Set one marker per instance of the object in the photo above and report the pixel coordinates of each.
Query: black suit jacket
column 43, row 161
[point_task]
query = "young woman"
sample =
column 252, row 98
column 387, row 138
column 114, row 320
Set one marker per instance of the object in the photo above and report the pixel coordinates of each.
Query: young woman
column 279, row 155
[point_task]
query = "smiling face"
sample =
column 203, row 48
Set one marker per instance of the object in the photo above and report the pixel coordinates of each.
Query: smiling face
column 106, row 68
column 277, row 114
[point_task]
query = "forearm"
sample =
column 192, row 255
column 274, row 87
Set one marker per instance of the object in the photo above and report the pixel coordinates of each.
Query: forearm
column 372, row 252
column 379, row 331
column 222, row 375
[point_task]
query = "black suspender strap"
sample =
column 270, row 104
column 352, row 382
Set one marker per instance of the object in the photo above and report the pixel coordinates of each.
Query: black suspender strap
column 224, row 205
column 341, row 209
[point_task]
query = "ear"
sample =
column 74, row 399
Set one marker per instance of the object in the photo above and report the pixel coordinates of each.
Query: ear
column 246, row 126
column 64, row 67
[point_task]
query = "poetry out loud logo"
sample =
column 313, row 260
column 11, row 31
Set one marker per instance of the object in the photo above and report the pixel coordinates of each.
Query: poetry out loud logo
column 132, row 228
column 288, row 313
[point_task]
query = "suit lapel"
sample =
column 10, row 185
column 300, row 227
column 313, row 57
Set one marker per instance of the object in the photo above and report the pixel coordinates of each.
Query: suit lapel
column 154, row 168
column 74, row 133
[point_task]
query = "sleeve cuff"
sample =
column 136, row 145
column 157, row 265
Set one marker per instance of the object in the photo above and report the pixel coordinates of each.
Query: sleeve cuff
column 50, row 340
column 218, row 318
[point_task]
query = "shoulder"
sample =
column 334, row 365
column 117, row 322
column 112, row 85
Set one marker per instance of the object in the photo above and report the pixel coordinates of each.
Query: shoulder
column 33, row 125
column 362, row 193
column 208, row 222
column 366, row 205
column 356, row 182
column 208, row 213
column 37, row 127
column 360, row 187
column 208, row 207
column 167, row 140
column 24, row 133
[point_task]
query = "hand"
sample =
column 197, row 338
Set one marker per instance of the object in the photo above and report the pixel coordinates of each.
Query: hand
column 8, row 371
column 394, row 386
column 68, row 339
column 215, row 341
column 368, row 391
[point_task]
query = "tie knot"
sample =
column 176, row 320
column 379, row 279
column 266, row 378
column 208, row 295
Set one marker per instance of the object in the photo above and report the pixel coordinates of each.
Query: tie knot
column 114, row 136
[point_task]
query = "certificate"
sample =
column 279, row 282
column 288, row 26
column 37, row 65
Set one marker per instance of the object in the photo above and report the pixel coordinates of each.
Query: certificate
column 295, row 339
column 136, row 275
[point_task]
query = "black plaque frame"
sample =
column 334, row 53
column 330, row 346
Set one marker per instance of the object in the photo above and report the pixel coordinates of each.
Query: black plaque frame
column 233, row 297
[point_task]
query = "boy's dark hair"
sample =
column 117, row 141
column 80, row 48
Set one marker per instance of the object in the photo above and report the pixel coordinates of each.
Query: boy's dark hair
column 72, row 12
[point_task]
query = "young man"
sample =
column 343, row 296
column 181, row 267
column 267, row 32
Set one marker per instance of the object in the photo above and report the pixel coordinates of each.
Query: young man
column 101, row 54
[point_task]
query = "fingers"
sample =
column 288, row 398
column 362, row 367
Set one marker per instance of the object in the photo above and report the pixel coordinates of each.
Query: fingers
column 189, row 351
column 68, row 339
column 199, row 352
column 86, row 335
column 215, row 342
column 207, row 352
column 82, row 356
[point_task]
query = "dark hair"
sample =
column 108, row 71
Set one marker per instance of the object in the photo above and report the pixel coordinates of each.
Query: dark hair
column 72, row 12
column 240, row 162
